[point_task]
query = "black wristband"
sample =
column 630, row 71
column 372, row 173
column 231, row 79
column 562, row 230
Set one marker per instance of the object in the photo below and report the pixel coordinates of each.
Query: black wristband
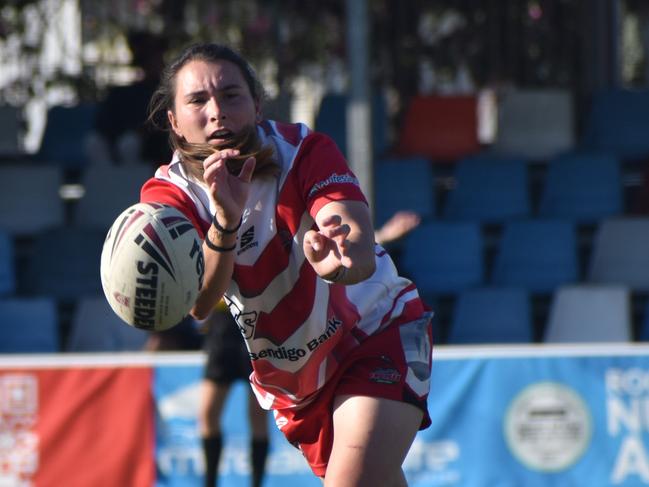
column 217, row 248
column 225, row 231
column 338, row 276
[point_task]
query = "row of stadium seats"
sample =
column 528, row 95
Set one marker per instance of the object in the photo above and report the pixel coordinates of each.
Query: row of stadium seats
column 483, row 315
column 530, row 123
column 32, row 199
column 445, row 259
column 534, row 124
column 577, row 313
column 490, row 189
column 33, row 325
column 538, row 255
column 442, row 257
column 489, row 185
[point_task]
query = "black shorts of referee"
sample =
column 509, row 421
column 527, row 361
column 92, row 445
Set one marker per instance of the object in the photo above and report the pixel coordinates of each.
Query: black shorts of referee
column 227, row 356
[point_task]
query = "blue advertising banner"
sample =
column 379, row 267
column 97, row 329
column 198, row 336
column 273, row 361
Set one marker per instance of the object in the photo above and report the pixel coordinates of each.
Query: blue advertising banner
column 502, row 416
column 574, row 418
column 178, row 448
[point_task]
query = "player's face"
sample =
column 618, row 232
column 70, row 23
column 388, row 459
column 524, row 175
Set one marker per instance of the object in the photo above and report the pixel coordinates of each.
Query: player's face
column 212, row 102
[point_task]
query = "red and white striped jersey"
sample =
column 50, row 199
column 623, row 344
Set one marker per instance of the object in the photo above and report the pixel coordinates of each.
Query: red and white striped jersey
column 297, row 327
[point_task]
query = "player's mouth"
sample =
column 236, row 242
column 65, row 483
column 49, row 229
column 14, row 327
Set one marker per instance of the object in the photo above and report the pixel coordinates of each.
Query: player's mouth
column 219, row 136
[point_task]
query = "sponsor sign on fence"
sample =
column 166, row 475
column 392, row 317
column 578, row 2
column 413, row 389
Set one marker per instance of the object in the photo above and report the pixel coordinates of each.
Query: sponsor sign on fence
column 507, row 416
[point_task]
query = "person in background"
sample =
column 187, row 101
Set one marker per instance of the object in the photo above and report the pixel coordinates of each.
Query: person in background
column 398, row 226
column 340, row 344
column 227, row 362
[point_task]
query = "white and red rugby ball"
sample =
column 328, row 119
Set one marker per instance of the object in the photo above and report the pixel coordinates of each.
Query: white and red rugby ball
column 152, row 266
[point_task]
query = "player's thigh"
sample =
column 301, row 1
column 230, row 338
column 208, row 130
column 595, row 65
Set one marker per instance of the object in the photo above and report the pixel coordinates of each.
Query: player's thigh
column 371, row 439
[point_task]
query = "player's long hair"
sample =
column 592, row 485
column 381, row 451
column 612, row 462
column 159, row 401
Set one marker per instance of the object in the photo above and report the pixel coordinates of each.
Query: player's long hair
column 247, row 141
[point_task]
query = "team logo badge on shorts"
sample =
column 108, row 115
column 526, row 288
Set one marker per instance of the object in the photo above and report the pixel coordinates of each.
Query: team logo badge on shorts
column 385, row 376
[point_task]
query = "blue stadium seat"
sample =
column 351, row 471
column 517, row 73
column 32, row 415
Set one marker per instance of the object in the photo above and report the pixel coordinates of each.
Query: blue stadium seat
column 538, row 255
column 489, row 189
column 109, row 190
column 617, row 124
column 29, row 200
column 584, row 188
column 444, row 257
column 403, row 184
column 331, row 119
column 492, row 315
column 63, row 138
column 7, row 268
column 96, row 328
column 65, row 263
column 589, row 313
column 28, row 325
column 620, row 253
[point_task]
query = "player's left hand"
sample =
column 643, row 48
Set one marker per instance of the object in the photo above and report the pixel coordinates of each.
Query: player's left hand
column 326, row 249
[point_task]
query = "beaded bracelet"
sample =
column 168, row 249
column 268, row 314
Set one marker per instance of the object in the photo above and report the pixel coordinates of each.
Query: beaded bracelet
column 225, row 231
column 339, row 276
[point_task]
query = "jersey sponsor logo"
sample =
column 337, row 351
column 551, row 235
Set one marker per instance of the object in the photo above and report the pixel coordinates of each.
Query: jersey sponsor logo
column 333, row 325
column 247, row 240
column 333, row 179
column 292, row 354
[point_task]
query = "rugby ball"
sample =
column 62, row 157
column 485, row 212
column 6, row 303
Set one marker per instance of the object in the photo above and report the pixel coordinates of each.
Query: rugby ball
column 152, row 266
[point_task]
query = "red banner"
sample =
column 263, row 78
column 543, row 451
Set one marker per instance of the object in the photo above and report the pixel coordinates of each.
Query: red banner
column 77, row 427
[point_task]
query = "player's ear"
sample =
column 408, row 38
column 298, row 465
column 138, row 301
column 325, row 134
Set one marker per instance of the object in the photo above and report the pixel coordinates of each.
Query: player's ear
column 173, row 123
